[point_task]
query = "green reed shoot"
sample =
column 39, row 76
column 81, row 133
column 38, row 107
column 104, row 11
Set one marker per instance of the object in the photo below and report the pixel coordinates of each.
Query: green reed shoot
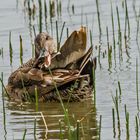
column 35, row 129
column 137, row 84
column 120, row 90
column 67, row 32
column 2, row 52
column 33, row 45
column 127, row 121
column 99, row 55
column 59, row 7
column 110, row 56
column 45, row 13
column 61, row 33
column 61, row 133
column 134, row 8
column 57, row 37
column 104, row 53
column 70, row 128
column 2, row 82
column 29, row 10
column 113, row 117
column 126, row 22
column 10, row 49
column 94, row 82
column 45, row 9
column 78, row 123
column 3, row 105
column 21, row 50
column 3, row 87
column 119, row 26
column 122, row 3
column 33, row 49
column 119, row 33
column 73, row 9
column 98, row 14
column 64, row 109
column 100, row 126
column 91, row 43
column 125, row 37
column 115, row 100
column 24, row 135
column 127, row 17
column 107, row 34
column 113, row 27
column 36, row 98
column 117, row 108
column 34, row 10
column 52, row 8
column 126, row 25
column 40, row 15
column 109, row 50
column 137, row 127
column 138, row 20
column 34, row 31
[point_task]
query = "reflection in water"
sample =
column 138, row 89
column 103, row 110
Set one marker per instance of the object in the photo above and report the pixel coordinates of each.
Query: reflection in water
column 23, row 116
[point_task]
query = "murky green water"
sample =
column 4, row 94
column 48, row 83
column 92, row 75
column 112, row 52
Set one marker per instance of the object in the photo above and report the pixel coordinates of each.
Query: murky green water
column 19, row 117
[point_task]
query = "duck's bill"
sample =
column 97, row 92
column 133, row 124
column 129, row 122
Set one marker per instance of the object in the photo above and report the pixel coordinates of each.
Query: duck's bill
column 47, row 62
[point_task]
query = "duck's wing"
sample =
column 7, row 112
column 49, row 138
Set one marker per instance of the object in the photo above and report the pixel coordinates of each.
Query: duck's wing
column 56, row 84
column 75, row 44
column 81, row 62
column 73, row 49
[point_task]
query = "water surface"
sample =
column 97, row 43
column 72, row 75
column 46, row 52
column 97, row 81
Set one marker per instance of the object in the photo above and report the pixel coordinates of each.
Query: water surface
column 14, row 19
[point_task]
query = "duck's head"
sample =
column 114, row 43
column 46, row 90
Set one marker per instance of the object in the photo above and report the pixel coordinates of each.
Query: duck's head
column 45, row 46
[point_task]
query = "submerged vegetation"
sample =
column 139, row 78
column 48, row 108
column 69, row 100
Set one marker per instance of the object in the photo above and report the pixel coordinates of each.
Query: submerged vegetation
column 115, row 44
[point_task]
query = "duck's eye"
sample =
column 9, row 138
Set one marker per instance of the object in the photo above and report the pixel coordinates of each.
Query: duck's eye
column 47, row 37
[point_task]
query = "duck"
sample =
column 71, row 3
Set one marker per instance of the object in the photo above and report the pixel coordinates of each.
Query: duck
column 66, row 75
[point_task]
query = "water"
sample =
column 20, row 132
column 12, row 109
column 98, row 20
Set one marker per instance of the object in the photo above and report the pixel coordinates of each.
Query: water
column 19, row 117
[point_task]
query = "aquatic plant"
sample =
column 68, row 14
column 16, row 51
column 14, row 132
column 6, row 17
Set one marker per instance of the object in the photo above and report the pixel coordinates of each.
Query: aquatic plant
column 10, row 49
column 98, row 14
column 113, row 118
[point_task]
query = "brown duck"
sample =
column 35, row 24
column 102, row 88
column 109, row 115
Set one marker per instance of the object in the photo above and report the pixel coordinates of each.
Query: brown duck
column 50, row 74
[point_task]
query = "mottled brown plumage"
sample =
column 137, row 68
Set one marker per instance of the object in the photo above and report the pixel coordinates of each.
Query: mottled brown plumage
column 67, row 71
